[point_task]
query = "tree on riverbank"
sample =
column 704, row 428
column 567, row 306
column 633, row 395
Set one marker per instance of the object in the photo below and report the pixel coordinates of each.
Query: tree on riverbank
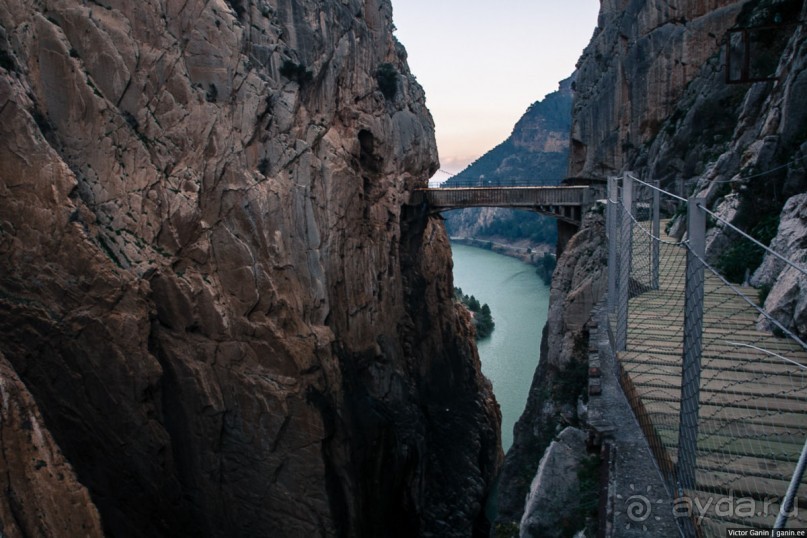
column 483, row 319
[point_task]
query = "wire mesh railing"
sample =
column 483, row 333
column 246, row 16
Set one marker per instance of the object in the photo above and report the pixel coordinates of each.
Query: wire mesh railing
column 718, row 386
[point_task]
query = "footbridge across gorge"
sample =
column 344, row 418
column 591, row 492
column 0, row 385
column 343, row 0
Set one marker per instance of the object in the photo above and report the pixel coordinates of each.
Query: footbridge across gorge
column 567, row 202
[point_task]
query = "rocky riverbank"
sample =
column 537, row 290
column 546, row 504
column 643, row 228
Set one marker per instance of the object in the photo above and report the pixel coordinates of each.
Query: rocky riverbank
column 524, row 250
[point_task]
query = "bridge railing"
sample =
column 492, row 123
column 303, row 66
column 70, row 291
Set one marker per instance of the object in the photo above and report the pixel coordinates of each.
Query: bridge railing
column 453, row 183
column 507, row 196
column 717, row 383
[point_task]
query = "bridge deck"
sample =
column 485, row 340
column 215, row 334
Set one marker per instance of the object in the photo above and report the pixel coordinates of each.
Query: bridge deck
column 563, row 202
column 752, row 424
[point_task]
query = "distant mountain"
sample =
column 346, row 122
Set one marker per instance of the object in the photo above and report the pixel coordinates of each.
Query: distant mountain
column 537, row 151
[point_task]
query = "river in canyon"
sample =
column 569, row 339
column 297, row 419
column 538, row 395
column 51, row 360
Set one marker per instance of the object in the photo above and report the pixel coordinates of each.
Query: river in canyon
column 519, row 301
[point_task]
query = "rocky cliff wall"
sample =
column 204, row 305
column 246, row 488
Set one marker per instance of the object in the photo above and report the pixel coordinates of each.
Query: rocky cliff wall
column 208, row 280
column 642, row 57
column 42, row 496
column 758, row 182
column 651, row 96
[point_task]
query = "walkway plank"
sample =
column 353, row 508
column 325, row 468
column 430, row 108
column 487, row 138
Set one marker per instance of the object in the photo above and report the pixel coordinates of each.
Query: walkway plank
column 752, row 423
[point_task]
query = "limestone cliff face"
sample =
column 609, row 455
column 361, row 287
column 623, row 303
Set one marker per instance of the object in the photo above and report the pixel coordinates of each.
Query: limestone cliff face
column 760, row 177
column 787, row 299
column 641, row 59
column 42, row 495
column 651, row 97
column 209, row 284
column 719, row 132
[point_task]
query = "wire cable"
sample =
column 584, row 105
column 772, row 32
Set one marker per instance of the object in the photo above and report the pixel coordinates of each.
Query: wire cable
column 662, row 191
column 760, row 174
column 767, row 249
column 749, row 301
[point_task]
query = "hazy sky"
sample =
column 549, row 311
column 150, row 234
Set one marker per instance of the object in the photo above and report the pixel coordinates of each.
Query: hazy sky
column 482, row 63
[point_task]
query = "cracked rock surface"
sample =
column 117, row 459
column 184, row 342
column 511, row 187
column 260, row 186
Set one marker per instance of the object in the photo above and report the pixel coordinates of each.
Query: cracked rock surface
column 210, row 283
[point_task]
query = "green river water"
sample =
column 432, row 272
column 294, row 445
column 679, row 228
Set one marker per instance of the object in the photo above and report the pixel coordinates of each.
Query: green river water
column 519, row 300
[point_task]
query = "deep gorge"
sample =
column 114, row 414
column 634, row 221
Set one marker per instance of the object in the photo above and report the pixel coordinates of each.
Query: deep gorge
column 219, row 314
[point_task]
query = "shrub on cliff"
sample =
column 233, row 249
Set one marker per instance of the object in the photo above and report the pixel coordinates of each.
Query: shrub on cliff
column 742, row 257
column 7, row 61
column 483, row 319
column 484, row 322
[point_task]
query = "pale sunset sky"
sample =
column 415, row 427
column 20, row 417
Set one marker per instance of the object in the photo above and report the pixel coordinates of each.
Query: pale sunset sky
column 482, row 63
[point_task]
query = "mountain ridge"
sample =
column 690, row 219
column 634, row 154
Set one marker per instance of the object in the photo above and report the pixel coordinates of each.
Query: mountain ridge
column 536, row 152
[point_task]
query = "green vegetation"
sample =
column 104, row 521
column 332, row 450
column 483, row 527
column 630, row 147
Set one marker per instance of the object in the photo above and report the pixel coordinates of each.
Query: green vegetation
column 743, row 257
column 483, row 319
column 509, row 529
column 263, row 166
column 571, row 383
column 515, row 225
column 108, row 250
column 762, row 294
column 387, row 77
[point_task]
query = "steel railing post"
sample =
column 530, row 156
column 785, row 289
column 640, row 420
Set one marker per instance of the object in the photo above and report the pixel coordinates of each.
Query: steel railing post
column 691, row 360
column 654, row 251
column 787, row 505
column 625, row 253
column 612, row 228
